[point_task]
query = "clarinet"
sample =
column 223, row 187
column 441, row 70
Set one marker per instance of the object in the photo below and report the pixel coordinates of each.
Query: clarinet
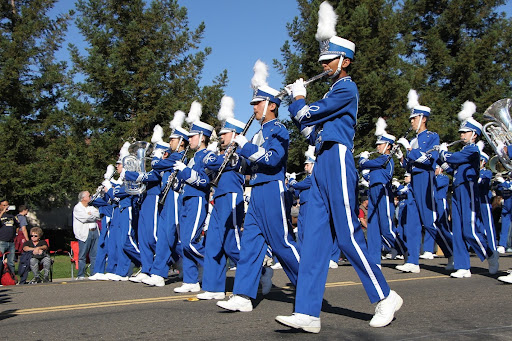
column 98, row 191
column 230, row 150
column 170, row 180
column 395, row 148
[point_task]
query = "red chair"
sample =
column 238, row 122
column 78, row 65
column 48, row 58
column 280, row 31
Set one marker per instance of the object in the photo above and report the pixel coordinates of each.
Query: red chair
column 73, row 257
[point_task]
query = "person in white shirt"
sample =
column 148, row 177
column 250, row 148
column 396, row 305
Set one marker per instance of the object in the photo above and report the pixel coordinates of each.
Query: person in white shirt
column 86, row 231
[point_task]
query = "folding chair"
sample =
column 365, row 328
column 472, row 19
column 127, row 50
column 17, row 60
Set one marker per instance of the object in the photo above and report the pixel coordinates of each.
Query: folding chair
column 73, row 257
column 52, row 259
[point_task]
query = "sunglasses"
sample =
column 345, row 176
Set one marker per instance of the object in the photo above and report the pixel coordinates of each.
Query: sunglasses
column 34, row 235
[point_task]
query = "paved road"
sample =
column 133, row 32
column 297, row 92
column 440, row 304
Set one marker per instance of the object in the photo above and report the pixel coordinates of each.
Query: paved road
column 435, row 307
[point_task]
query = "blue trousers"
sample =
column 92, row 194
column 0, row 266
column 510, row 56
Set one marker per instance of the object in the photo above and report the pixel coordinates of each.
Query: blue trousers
column 381, row 228
column 167, row 235
column 467, row 228
column 423, row 191
column 102, row 250
column 89, row 247
column 128, row 250
column 332, row 215
column 265, row 223
column 114, row 236
column 222, row 240
column 487, row 221
column 191, row 227
column 506, row 225
column 147, row 231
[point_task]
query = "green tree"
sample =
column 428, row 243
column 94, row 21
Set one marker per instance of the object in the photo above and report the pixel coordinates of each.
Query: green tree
column 142, row 63
column 449, row 51
column 31, row 94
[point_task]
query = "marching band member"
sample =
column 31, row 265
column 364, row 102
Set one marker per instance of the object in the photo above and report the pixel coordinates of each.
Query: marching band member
column 484, row 186
column 265, row 219
column 148, row 214
column 330, row 124
column 124, row 224
column 195, row 200
column 465, row 205
column 421, row 166
column 106, row 211
column 167, row 235
column 226, row 219
column 380, row 204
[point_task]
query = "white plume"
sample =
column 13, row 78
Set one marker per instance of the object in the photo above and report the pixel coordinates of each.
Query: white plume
column 158, row 134
column 227, row 106
column 196, row 109
column 380, row 128
column 178, row 119
column 480, row 144
column 468, row 109
column 412, row 97
column 260, row 75
column 326, row 22
column 310, row 152
column 124, row 150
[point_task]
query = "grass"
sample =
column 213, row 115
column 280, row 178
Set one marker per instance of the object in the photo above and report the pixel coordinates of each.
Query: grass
column 61, row 268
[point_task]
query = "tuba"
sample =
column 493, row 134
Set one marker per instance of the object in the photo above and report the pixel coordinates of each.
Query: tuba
column 136, row 162
column 498, row 132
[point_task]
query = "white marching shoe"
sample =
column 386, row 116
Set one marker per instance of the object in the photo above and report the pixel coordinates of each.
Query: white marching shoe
column 138, row 278
column 236, row 303
column 188, row 287
column 307, row 323
column 277, row 266
column 500, row 249
column 408, row 267
column 98, row 277
column 427, row 255
column 155, row 280
column 385, row 310
column 461, row 273
column 209, row 295
column 266, row 280
column 333, row 264
column 117, row 278
column 506, row 279
column 494, row 263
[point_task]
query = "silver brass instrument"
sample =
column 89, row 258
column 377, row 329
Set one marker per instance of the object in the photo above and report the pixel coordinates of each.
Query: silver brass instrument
column 499, row 130
column 359, row 155
column 447, row 145
column 136, row 162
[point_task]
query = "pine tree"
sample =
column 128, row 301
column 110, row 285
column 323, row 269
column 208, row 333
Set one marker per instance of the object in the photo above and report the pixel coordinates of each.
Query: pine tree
column 31, row 94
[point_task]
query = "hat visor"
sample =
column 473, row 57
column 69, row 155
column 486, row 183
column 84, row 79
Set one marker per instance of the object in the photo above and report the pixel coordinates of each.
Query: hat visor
column 256, row 100
column 328, row 57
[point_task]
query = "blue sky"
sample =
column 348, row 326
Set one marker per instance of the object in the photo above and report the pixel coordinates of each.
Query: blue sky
column 239, row 32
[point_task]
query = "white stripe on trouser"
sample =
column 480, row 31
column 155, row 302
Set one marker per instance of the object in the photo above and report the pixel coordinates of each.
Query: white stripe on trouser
column 285, row 222
column 346, row 201
column 196, row 223
column 233, row 210
column 489, row 215
column 134, row 244
column 155, row 218
column 473, row 219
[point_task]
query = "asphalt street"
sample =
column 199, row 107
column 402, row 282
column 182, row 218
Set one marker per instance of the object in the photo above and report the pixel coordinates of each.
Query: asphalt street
column 435, row 307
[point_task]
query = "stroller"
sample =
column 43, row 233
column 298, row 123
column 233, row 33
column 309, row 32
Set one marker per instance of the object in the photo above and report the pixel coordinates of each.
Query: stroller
column 7, row 277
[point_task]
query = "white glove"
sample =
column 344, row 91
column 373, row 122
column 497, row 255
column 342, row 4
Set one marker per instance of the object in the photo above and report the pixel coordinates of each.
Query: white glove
column 212, row 146
column 500, row 148
column 404, row 143
column 158, row 153
column 293, row 175
column 179, row 166
column 500, row 179
column 110, row 171
column 364, row 155
column 399, row 153
column 107, row 184
column 364, row 183
column 240, row 140
column 298, row 88
column 443, row 147
column 395, row 183
column 121, row 176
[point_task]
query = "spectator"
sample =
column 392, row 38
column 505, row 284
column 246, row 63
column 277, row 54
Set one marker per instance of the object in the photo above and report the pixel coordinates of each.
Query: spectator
column 8, row 225
column 39, row 250
column 22, row 232
column 363, row 213
column 86, row 232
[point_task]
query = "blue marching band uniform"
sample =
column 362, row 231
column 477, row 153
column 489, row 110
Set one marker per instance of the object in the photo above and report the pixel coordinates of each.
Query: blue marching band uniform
column 143, row 231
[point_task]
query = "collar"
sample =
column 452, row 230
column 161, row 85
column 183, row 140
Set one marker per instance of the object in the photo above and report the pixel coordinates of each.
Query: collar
column 264, row 124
